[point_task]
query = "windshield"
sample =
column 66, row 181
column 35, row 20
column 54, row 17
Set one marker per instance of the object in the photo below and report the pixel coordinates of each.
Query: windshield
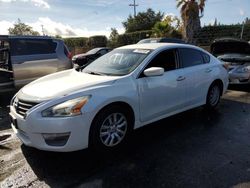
column 118, row 62
column 93, row 51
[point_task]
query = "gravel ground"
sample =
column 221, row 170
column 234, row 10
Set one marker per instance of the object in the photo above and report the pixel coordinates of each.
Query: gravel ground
column 193, row 149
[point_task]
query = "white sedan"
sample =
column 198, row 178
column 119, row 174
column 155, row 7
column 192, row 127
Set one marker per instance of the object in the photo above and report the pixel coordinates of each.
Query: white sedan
column 123, row 90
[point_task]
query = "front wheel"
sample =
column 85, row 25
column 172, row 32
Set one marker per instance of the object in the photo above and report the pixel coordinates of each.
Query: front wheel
column 213, row 96
column 110, row 128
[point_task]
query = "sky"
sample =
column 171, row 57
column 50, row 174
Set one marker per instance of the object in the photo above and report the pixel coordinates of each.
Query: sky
column 95, row 17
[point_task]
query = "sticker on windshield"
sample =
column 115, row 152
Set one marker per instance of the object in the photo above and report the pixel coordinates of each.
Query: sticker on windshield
column 141, row 51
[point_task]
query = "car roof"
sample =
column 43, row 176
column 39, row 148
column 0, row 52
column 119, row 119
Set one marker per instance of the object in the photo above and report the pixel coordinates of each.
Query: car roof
column 154, row 46
column 29, row 37
column 99, row 48
column 24, row 37
column 164, row 40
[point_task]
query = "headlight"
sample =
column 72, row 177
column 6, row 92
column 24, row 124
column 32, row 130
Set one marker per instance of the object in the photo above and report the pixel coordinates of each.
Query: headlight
column 68, row 108
column 244, row 69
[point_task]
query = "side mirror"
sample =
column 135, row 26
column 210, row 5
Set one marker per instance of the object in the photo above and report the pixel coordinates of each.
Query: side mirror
column 153, row 71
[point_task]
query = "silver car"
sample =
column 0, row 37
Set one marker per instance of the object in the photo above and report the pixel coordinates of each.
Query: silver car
column 235, row 53
column 26, row 58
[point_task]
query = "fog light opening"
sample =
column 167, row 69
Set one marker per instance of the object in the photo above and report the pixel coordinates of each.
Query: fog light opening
column 56, row 139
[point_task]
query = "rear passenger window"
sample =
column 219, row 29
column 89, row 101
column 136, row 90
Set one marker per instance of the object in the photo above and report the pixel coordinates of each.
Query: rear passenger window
column 165, row 59
column 32, row 46
column 102, row 52
column 206, row 57
column 190, row 57
column 66, row 50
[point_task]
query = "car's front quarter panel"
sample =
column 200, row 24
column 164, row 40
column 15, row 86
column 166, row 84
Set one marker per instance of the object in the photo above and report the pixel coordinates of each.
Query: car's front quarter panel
column 33, row 126
column 123, row 90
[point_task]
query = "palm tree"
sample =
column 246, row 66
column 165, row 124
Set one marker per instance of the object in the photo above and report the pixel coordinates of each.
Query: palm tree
column 191, row 12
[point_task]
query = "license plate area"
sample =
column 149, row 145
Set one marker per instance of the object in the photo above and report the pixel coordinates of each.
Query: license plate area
column 13, row 121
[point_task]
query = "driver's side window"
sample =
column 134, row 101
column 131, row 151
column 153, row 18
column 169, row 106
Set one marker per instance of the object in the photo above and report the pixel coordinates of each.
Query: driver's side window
column 165, row 59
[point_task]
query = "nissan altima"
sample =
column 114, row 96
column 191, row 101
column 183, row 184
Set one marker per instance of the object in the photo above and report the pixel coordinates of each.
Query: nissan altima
column 99, row 105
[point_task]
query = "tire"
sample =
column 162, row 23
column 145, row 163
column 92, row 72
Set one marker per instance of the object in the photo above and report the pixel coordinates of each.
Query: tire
column 110, row 128
column 213, row 96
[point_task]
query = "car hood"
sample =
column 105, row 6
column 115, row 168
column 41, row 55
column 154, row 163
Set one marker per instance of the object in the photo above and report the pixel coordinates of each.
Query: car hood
column 229, row 47
column 82, row 56
column 240, row 58
column 62, row 84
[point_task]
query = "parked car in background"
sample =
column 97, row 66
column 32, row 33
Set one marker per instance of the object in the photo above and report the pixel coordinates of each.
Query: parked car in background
column 123, row 90
column 86, row 58
column 165, row 40
column 235, row 53
column 26, row 58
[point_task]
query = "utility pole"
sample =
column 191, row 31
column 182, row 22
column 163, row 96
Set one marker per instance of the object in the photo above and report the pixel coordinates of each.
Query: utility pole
column 134, row 5
column 42, row 30
column 242, row 30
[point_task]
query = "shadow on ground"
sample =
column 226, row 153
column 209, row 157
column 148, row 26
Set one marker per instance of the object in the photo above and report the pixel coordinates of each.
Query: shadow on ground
column 196, row 148
column 239, row 87
column 4, row 110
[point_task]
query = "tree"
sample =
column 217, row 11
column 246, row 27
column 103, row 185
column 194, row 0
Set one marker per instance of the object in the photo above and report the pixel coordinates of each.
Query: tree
column 21, row 28
column 58, row 36
column 142, row 21
column 169, row 27
column 247, row 21
column 215, row 22
column 113, row 37
column 191, row 12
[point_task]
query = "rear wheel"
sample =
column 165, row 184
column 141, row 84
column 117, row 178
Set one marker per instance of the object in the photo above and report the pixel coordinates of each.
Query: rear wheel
column 213, row 96
column 110, row 128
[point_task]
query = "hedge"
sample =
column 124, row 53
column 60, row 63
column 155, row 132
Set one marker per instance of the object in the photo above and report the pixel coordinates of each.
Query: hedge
column 209, row 33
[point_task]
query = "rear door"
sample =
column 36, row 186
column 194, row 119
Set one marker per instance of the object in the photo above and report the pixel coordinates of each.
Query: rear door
column 6, row 75
column 32, row 59
column 197, row 71
column 4, row 53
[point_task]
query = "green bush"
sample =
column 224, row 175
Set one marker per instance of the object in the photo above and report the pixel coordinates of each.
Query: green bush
column 82, row 44
column 209, row 33
column 76, row 42
column 97, row 41
column 132, row 38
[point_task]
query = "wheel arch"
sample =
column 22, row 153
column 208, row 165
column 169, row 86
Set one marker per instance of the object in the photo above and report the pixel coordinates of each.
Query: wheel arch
column 121, row 104
column 219, row 82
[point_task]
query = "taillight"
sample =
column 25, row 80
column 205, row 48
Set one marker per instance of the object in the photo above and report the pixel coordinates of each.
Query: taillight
column 69, row 55
column 226, row 66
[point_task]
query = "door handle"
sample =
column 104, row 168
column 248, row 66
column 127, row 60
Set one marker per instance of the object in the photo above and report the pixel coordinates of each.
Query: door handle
column 208, row 70
column 180, row 78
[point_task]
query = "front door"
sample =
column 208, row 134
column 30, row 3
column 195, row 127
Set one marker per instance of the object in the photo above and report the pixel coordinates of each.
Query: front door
column 161, row 95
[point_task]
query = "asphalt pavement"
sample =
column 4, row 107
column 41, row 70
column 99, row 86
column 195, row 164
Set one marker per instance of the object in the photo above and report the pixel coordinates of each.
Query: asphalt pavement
column 196, row 148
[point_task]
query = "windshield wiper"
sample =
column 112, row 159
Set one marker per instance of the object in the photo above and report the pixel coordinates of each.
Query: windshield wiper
column 94, row 73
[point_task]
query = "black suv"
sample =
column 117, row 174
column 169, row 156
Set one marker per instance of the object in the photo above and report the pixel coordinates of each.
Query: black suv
column 88, row 57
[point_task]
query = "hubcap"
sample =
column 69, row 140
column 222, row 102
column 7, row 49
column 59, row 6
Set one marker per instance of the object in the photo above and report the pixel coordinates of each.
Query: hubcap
column 113, row 129
column 214, row 95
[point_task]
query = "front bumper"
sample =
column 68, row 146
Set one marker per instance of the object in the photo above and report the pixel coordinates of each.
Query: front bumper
column 239, row 78
column 32, row 130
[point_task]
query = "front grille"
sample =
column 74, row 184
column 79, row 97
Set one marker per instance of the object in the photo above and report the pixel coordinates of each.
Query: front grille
column 22, row 107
